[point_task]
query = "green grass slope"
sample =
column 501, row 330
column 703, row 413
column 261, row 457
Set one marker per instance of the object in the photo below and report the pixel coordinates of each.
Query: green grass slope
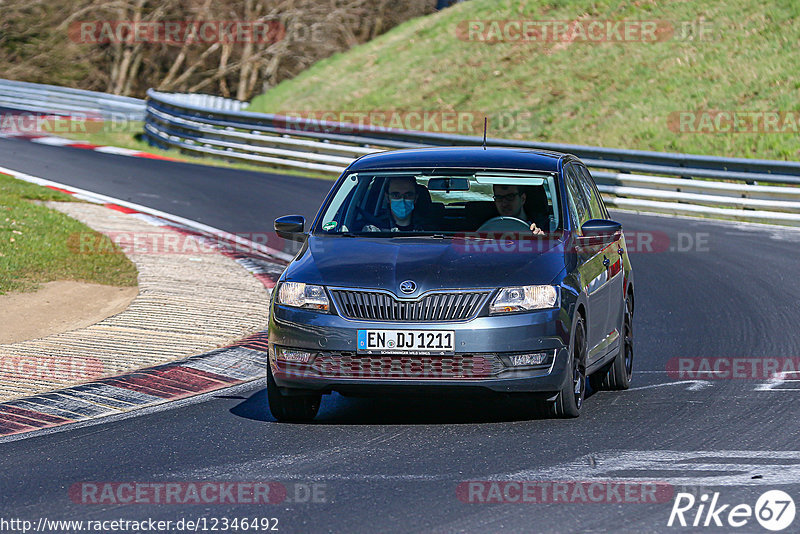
column 39, row 244
column 613, row 94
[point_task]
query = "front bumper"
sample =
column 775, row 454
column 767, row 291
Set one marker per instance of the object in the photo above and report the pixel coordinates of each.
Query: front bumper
column 480, row 363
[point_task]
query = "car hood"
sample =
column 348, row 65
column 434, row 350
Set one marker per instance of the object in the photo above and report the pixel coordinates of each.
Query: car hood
column 383, row 263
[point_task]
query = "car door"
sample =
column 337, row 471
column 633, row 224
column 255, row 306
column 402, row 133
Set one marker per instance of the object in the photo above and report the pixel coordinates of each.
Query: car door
column 612, row 261
column 592, row 272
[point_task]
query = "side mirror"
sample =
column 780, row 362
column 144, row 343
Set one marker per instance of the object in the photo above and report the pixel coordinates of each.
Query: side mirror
column 601, row 228
column 291, row 227
column 598, row 233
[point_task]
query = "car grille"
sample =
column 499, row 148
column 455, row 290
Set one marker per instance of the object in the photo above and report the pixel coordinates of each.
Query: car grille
column 378, row 306
column 457, row 366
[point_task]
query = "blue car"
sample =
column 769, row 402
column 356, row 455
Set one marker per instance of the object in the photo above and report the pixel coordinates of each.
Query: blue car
column 463, row 270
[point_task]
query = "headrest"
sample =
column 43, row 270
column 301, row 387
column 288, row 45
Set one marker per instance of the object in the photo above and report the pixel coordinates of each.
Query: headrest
column 535, row 200
column 423, row 196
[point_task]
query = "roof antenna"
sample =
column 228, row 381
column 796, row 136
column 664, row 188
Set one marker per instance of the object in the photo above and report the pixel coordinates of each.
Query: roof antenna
column 485, row 122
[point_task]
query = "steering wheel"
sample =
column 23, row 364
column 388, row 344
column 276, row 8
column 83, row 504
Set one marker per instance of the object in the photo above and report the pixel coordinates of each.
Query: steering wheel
column 505, row 224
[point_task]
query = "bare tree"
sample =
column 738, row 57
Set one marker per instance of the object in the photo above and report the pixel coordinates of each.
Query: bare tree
column 36, row 42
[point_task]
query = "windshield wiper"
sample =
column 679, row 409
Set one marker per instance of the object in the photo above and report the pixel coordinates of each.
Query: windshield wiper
column 392, row 234
column 422, row 234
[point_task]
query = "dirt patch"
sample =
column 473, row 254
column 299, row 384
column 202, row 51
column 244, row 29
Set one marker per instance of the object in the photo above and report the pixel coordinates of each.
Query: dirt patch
column 59, row 307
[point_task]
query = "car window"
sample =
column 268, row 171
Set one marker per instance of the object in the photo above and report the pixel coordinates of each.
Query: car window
column 571, row 205
column 596, row 207
column 579, row 204
column 412, row 201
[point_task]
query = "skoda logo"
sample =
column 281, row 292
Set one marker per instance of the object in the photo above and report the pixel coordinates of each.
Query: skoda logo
column 408, row 287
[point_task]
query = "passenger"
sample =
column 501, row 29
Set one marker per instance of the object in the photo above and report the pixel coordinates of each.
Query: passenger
column 401, row 197
column 510, row 202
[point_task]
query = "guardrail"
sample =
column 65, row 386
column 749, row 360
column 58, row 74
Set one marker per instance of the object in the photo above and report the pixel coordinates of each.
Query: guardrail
column 687, row 184
column 50, row 99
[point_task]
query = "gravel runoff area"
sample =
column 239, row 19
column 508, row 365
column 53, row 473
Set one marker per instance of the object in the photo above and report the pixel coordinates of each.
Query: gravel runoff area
column 188, row 303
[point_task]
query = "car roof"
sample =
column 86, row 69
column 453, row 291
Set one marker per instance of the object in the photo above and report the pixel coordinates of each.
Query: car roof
column 475, row 157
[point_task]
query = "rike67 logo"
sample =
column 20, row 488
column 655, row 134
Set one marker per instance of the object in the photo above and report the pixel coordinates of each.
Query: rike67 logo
column 774, row 510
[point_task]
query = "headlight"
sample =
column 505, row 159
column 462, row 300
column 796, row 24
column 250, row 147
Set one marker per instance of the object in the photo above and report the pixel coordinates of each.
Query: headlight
column 524, row 298
column 303, row 296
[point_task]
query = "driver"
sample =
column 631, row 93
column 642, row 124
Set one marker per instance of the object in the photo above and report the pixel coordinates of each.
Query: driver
column 401, row 197
column 510, row 202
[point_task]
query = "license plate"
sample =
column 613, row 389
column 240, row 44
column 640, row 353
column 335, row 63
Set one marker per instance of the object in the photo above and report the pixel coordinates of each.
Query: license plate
column 426, row 342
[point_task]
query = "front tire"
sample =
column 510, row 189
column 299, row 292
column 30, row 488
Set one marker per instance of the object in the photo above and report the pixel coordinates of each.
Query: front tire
column 569, row 400
column 290, row 408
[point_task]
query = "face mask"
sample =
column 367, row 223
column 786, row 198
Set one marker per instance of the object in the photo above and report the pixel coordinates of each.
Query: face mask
column 402, row 208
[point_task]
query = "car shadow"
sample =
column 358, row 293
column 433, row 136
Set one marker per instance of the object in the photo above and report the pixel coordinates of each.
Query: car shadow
column 255, row 407
column 340, row 410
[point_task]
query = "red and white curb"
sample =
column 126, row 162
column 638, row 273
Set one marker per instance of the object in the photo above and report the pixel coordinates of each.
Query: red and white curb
column 241, row 362
column 54, row 140
column 205, row 373
column 156, row 217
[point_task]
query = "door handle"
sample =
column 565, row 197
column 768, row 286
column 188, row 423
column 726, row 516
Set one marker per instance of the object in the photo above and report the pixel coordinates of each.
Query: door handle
column 606, row 262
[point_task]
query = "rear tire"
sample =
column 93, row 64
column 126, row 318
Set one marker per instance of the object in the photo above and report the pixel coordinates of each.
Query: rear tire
column 618, row 375
column 569, row 400
column 290, row 408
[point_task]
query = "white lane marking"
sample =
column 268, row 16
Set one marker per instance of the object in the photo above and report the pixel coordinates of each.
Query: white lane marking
column 778, row 380
column 104, row 199
column 736, row 468
column 330, row 463
column 694, row 385
column 365, row 477
column 86, row 198
column 149, row 219
column 117, row 150
column 54, row 141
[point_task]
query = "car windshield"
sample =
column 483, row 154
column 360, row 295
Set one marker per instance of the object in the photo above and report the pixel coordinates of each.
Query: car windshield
column 385, row 203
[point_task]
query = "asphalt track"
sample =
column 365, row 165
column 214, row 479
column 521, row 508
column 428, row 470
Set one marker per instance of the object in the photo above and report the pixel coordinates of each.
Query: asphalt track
column 394, row 465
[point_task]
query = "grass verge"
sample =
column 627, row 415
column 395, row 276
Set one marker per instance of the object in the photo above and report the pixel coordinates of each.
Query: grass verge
column 38, row 244
column 624, row 94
